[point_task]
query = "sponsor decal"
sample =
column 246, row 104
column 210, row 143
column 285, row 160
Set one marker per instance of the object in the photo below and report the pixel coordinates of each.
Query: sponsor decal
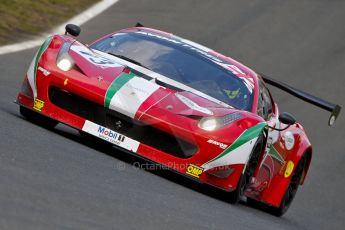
column 38, row 105
column 194, row 170
column 239, row 151
column 289, row 168
column 191, row 104
column 289, row 140
column 110, row 136
column 44, row 71
column 220, row 144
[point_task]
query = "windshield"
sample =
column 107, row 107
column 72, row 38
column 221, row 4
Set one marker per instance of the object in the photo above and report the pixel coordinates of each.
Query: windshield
column 182, row 62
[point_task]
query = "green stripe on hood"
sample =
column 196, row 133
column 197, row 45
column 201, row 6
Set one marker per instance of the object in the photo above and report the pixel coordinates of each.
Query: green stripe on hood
column 115, row 86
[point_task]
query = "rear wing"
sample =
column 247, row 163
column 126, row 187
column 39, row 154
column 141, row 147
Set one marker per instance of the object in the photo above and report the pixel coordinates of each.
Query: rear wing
column 333, row 108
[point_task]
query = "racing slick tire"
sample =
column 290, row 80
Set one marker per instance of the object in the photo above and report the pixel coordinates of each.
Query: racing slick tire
column 37, row 118
column 243, row 182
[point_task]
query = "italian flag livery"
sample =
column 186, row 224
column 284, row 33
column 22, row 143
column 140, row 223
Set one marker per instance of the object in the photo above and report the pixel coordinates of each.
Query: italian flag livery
column 134, row 96
column 170, row 122
column 127, row 93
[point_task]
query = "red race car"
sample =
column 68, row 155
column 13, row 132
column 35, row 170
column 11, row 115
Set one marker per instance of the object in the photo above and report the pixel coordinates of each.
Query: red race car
column 175, row 103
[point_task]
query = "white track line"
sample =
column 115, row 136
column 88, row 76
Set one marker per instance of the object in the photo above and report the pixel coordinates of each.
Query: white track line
column 78, row 20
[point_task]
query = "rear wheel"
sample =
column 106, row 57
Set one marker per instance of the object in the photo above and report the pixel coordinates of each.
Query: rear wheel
column 238, row 193
column 37, row 118
column 291, row 189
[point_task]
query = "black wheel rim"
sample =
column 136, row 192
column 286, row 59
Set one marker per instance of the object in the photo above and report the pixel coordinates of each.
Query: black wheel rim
column 294, row 184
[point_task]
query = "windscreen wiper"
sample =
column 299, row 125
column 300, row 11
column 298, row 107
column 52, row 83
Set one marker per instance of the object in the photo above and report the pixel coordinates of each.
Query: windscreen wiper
column 128, row 59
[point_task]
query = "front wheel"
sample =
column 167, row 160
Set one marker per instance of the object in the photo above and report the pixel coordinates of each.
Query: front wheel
column 235, row 196
column 291, row 189
column 238, row 193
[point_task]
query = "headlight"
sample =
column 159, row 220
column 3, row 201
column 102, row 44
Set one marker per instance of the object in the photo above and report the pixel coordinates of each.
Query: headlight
column 213, row 123
column 208, row 123
column 63, row 60
column 65, row 64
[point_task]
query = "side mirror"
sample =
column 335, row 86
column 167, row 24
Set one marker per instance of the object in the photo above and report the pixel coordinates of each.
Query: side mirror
column 72, row 29
column 287, row 118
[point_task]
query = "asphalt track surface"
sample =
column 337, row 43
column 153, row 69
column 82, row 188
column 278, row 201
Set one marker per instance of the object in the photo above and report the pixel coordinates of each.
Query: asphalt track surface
column 56, row 180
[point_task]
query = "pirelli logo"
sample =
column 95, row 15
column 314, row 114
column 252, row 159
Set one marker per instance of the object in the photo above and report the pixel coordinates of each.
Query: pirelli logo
column 194, row 170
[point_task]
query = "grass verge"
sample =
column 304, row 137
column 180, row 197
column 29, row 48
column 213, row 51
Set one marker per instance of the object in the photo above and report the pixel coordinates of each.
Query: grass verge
column 21, row 19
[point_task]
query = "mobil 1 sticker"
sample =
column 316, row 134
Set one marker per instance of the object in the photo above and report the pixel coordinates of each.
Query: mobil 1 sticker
column 110, row 136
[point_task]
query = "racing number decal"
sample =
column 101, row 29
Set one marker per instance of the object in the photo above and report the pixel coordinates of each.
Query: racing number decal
column 194, row 170
column 97, row 59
